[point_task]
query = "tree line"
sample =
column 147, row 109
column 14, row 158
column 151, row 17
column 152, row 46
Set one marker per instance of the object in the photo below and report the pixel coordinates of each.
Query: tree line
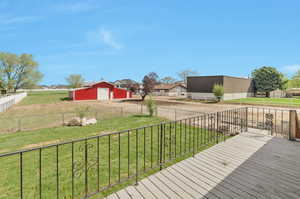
column 21, row 71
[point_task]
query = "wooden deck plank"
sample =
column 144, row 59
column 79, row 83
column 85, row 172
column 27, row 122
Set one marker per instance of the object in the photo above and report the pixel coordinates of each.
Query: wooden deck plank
column 168, row 182
column 228, row 187
column 282, row 185
column 193, row 193
column 123, row 194
column 246, row 166
column 221, row 191
column 200, row 187
column 169, row 192
column 133, row 193
column 235, row 158
column 144, row 191
column 235, row 180
column 154, row 189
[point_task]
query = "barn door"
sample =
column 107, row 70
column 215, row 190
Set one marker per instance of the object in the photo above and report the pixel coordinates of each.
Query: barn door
column 103, row 94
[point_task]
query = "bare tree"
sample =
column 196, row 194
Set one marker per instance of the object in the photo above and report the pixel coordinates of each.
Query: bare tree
column 168, row 80
column 185, row 73
column 149, row 81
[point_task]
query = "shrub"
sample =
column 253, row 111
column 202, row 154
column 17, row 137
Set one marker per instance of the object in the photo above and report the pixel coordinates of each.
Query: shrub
column 151, row 106
column 82, row 111
column 218, row 91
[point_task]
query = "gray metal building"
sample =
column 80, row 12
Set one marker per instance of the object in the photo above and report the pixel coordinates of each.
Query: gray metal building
column 200, row 87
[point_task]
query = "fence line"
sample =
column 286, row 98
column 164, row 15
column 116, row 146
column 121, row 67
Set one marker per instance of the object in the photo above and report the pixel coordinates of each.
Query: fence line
column 7, row 101
column 39, row 121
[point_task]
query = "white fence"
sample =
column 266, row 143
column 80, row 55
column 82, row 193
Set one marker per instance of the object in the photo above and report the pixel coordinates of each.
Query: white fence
column 8, row 101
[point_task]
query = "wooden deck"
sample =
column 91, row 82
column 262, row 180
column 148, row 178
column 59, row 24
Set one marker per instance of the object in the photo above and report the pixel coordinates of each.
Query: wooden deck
column 249, row 165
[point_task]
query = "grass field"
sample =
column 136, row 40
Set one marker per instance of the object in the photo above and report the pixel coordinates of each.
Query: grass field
column 28, row 139
column 117, row 157
column 44, row 97
column 45, row 109
column 267, row 101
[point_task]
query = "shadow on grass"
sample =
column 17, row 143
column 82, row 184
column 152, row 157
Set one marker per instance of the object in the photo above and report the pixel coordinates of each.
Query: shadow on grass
column 65, row 99
column 142, row 116
column 131, row 100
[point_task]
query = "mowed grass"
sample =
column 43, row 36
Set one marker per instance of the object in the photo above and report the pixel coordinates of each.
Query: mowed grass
column 44, row 97
column 100, row 162
column 267, row 101
column 28, row 139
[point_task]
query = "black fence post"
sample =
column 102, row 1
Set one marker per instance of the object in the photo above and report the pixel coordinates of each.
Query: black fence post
column 137, row 156
column 218, row 128
column 161, row 148
column 246, row 119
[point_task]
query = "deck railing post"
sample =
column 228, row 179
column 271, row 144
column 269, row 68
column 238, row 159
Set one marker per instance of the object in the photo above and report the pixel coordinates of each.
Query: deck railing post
column 246, row 127
column 218, row 128
column 161, row 147
column 292, row 124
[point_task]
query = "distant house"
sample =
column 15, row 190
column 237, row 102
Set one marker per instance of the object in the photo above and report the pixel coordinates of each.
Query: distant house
column 169, row 90
column 200, row 87
column 124, row 83
column 100, row 91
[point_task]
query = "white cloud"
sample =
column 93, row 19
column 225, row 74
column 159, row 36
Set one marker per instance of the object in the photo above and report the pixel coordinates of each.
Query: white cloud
column 291, row 68
column 6, row 20
column 104, row 36
column 81, row 6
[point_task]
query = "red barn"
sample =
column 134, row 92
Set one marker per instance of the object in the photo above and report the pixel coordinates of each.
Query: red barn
column 100, row 91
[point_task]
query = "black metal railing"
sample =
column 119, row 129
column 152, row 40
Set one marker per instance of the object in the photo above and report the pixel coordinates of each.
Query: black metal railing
column 81, row 168
column 274, row 121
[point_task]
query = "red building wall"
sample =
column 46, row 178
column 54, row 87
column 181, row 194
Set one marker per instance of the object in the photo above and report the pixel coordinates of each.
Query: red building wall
column 85, row 94
column 91, row 92
column 119, row 93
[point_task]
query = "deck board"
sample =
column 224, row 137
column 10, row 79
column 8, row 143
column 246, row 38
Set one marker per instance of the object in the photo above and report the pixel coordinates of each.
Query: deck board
column 249, row 165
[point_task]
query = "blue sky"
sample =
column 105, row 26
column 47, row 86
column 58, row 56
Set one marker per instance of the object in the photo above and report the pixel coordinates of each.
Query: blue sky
column 115, row 39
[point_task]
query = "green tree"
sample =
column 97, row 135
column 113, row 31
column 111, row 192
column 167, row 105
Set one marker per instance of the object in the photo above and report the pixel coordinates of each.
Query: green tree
column 267, row 79
column 285, row 82
column 295, row 81
column 218, row 91
column 18, row 71
column 75, row 81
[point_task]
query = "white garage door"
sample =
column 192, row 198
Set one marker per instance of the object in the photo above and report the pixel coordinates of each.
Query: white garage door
column 103, row 94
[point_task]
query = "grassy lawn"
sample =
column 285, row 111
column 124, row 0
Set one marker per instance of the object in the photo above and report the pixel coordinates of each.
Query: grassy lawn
column 44, row 97
column 28, row 139
column 119, row 156
column 267, row 101
column 45, row 109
